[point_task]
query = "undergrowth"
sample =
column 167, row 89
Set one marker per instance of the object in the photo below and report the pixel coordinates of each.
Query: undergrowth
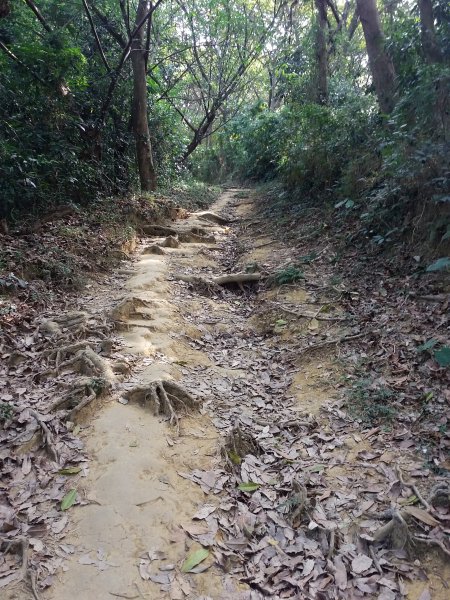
column 370, row 403
column 69, row 244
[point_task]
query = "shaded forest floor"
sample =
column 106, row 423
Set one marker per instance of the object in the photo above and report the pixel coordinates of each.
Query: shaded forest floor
column 307, row 450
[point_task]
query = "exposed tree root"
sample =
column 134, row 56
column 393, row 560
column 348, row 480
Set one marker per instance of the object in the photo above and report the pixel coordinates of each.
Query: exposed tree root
column 432, row 542
column 73, row 322
column 163, row 398
column 23, row 544
column 188, row 237
column 440, row 495
column 211, row 285
column 170, row 242
column 131, row 307
column 213, row 218
column 200, row 284
column 158, row 230
column 88, row 362
column 295, row 507
column 154, row 249
column 395, row 533
column 81, row 393
column 71, row 326
column 98, row 375
column 238, row 444
column 47, row 436
column 237, row 278
column 198, row 231
column 62, row 353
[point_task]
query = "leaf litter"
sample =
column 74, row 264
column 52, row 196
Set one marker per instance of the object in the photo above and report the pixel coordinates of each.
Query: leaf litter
column 292, row 513
column 303, row 517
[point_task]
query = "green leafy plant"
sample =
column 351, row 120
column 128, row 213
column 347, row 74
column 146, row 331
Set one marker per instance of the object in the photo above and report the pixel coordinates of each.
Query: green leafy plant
column 6, row 411
column 371, row 404
column 441, row 354
column 441, row 264
column 290, row 274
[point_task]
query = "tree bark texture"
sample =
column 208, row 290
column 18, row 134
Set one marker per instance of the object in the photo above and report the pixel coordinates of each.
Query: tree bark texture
column 321, row 53
column 381, row 65
column 5, row 8
column 430, row 46
column 144, row 155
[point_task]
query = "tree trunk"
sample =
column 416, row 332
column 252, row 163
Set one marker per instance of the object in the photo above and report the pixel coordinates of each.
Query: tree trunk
column 200, row 133
column 5, row 9
column 321, row 53
column 430, row 46
column 381, row 65
column 144, row 155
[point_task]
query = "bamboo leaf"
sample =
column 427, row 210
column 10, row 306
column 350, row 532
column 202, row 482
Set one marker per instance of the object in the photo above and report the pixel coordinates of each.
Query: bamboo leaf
column 249, row 486
column 68, row 499
column 69, row 471
column 194, row 559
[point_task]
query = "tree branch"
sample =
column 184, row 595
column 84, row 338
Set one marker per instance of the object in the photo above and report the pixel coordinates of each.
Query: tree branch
column 94, row 31
column 110, row 27
column 123, row 58
column 39, row 16
column 353, row 24
column 19, row 62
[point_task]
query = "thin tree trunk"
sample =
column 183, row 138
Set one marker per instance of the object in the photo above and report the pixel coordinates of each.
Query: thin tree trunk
column 381, row 65
column 321, row 53
column 430, row 46
column 200, row 134
column 144, row 155
column 5, row 9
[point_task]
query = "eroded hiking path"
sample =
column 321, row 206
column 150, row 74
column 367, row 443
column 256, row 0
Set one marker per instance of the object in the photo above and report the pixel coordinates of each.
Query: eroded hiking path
column 285, row 495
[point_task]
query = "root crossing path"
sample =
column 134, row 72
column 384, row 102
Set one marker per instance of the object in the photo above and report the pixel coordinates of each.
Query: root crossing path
column 221, row 466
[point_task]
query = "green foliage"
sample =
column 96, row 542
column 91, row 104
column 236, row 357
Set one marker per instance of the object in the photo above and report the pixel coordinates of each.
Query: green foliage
column 441, row 264
column 290, row 274
column 442, row 356
column 371, row 404
column 6, row 411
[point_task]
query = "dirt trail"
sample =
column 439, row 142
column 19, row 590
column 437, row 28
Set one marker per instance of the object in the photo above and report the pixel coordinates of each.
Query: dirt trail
column 138, row 500
column 268, row 418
